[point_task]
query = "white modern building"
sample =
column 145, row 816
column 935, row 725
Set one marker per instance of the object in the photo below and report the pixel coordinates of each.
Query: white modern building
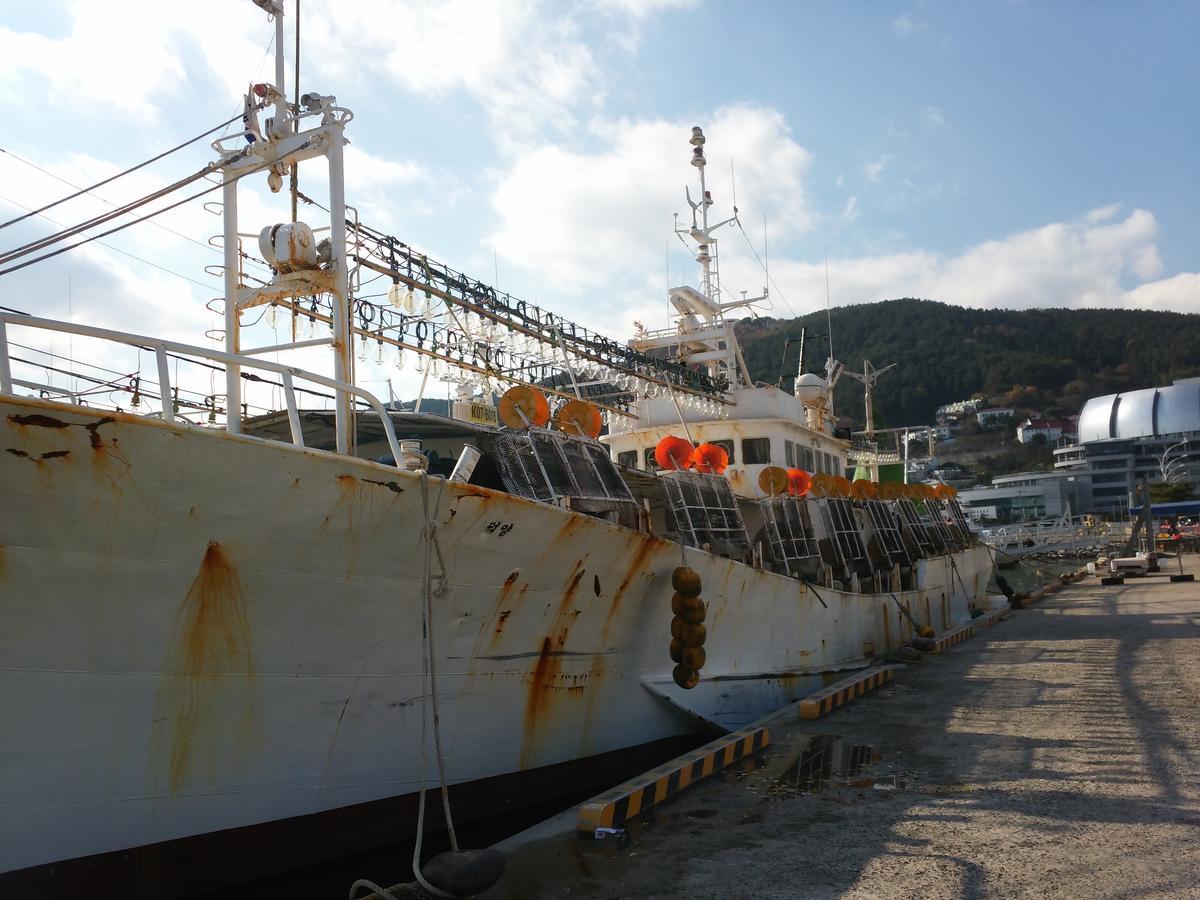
column 1125, row 437
column 989, row 418
column 1027, row 495
column 1049, row 430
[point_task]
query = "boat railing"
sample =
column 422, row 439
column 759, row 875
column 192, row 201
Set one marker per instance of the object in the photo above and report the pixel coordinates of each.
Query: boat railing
column 162, row 349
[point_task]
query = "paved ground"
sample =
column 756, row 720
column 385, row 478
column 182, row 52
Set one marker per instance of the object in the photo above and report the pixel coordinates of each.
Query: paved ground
column 1054, row 755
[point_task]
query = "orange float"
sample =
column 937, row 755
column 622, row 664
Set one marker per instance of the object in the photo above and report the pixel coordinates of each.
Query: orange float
column 821, row 485
column 578, row 417
column 673, row 453
column 799, row 482
column 773, row 481
column 944, row 492
column 523, row 406
column 840, row 486
column 711, row 459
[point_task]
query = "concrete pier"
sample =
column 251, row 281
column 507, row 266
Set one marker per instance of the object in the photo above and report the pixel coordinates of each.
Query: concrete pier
column 1055, row 754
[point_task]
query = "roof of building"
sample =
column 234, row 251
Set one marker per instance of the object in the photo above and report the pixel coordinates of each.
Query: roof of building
column 1065, row 424
column 1151, row 412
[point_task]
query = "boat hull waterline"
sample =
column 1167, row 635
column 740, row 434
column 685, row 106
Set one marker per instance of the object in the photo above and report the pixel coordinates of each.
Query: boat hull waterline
column 204, row 631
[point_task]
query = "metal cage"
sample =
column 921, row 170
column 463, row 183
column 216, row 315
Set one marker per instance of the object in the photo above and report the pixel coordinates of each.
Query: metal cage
column 705, row 511
column 842, row 527
column 789, row 530
column 549, row 466
column 887, row 532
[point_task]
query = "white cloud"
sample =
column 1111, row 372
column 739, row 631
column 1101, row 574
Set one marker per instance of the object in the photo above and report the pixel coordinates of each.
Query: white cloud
column 874, row 170
column 850, row 211
column 934, row 115
column 585, row 218
column 905, row 24
column 1080, row 263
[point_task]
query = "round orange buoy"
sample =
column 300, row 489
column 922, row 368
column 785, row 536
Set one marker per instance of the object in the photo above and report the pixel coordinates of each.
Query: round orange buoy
column 578, row 417
column 673, row 453
column 888, row 490
column 773, row 481
column 860, row 489
column 523, row 406
column 799, row 482
column 684, row 677
column 820, row 485
column 686, row 581
column 711, row 459
column 840, row 486
column 942, row 492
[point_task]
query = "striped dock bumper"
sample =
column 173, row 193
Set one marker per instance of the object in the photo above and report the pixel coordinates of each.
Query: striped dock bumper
column 841, row 692
column 614, row 808
column 948, row 639
column 990, row 618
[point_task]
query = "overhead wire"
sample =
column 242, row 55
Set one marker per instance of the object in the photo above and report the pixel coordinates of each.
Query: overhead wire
column 120, row 174
column 125, row 225
column 766, row 271
column 96, row 221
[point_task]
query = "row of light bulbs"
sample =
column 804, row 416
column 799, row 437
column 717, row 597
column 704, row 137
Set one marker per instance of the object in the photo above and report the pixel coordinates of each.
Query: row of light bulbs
column 483, row 330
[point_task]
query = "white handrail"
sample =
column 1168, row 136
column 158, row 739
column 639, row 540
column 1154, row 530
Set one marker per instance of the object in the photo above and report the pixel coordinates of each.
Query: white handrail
column 162, row 347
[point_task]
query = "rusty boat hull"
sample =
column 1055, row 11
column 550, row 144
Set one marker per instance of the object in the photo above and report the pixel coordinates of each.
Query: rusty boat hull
column 206, row 631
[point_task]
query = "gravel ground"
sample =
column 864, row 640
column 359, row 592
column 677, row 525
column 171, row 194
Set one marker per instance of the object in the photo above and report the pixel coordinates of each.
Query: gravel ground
column 1054, row 755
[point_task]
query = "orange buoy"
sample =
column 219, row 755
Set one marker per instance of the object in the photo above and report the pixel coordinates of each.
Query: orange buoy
column 926, row 491
column 578, row 417
column 523, row 406
column 673, row 453
column 773, row 481
column 943, row 492
column 711, row 459
column 840, row 486
column 862, row 489
column 820, row 485
column 799, row 482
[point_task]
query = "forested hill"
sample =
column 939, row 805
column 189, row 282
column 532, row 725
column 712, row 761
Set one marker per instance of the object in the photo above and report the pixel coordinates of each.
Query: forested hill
column 1046, row 359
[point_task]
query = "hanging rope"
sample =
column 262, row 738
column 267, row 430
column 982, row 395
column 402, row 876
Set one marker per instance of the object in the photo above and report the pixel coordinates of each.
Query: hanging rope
column 428, row 678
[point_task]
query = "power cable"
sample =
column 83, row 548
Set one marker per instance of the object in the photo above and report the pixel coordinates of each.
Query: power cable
column 766, row 271
column 112, row 178
column 89, row 192
column 164, row 209
column 114, row 249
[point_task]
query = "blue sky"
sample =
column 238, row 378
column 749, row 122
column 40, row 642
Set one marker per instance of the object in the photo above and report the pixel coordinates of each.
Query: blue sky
column 987, row 154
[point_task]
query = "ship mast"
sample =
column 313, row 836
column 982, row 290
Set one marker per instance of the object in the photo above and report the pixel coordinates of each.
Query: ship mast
column 702, row 335
column 301, row 267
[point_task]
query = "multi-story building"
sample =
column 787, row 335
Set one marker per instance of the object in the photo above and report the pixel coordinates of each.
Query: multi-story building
column 1026, row 495
column 1049, row 430
column 1125, row 437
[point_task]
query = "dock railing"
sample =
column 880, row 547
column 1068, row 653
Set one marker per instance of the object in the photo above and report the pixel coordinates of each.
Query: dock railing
column 162, row 349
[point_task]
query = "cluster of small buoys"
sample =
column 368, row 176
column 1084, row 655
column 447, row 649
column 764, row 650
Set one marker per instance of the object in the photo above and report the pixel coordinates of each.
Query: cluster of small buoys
column 522, row 406
column 673, row 453
column 687, row 628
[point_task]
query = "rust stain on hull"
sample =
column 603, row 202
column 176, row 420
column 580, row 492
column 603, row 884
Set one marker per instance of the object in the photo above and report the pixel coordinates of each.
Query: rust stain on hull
column 38, row 421
column 210, row 647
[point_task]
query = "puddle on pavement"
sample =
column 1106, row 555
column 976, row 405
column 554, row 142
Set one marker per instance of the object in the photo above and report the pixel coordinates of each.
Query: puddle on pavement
column 828, row 758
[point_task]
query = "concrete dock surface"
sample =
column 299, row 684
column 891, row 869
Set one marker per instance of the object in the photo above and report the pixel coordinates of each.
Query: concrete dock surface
column 1056, row 754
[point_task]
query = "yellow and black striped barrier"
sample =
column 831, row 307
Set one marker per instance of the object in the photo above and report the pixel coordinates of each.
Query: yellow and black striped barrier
column 614, row 808
column 842, row 692
column 946, row 640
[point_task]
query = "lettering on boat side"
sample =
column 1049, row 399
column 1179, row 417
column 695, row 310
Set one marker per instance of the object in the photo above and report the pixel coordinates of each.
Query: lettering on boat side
column 499, row 528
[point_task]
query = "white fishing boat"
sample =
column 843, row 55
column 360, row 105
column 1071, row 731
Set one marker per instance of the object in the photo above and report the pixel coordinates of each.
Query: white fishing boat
column 222, row 639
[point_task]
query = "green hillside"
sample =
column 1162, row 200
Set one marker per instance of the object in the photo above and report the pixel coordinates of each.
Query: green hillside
column 1048, row 359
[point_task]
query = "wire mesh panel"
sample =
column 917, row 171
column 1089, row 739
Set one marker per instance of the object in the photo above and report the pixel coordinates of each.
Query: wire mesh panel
column 705, row 511
column 789, row 529
column 549, row 465
column 913, row 526
column 959, row 518
column 843, row 528
column 886, row 531
column 948, row 534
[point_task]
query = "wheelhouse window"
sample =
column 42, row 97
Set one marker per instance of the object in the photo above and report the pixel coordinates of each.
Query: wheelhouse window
column 789, row 454
column 756, row 451
column 728, row 445
column 806, row 459
column 627, row 458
